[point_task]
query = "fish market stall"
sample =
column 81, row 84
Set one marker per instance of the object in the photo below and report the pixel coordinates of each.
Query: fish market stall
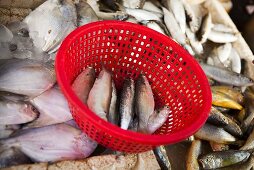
column 37, row 130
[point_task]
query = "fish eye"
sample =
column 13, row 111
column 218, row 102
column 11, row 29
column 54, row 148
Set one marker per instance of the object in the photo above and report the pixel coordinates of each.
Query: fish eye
column 23, row 32
column 13, row 47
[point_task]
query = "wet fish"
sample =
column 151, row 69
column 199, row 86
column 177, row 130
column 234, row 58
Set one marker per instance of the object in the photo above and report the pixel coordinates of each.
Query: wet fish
column 126, row 106
column 231, row 92
column 84, row 83
column 193, row 154
column 206, row 27
column 134, row 125
column 223, row 158
column 157, row 119
column 221, row 37
column 13, row 156
column 141, row 14
column 53, row 108
column 51, row 143
column 232, row 127
column 223, row 52
column 133, row 3
column 162, row 157
column 218, row 146
column 243, row 165
column 100, row 95
column 217, row 118
column 223, row 100
column 153, row 25
column 226, row 76
column 173, row 26
column 235, row 61
column 113, row 116
column 222, row 28
column 85, row 13
column 215, row 134
column 56, row 20
column 193, row 15
column 149, row 6
column 16, row 112
column 249, row 144
column 195, row 44
column 177, row 8
column 144, row 102
column 26, row 77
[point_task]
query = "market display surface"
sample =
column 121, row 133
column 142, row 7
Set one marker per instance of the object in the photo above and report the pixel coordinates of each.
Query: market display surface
column 36, row 124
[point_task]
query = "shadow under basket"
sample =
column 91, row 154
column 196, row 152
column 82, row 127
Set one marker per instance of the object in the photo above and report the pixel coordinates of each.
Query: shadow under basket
column 127, row 50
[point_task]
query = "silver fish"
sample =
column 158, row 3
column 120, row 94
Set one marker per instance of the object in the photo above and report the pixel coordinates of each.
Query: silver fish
column 149, row 6
column 235, row 61
column 141, row 14
column 53, row 108
column 206, row 28
column 26, row 77
column 51, row 143
column 57, row 19
column 16, row 112
column 193, row 154
column 222, row 28
column 173, row 26
column 223, row 52
column 221, row 37
column 177, row 8
column 133, row 3
column 13, row 156
column 85, row 13
column 157, row 119
column 100, row 95
column 248, row 165
column 213, row 133
column 144, row 102
column 195, row 44
column 217, row 118
column 162, row 157
column 194, row 15
column 113, row 116
column 153, row 25
column 84, row 83
column 126, row 105
column 232, row 127
column 226, row 76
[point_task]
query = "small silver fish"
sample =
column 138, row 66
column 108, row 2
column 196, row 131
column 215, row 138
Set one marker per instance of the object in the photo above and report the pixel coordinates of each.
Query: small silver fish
column 173, row 26
column 235, row 61
column 126, row 105
column 84, row 83
column 85, row 13
column 206, row 28
column 162, row 157
column 217, row 118
column 221, row 37
column 223, row 51
column 195, row 44
column 53, row 108
column 26, row 77
column 100, row 95
column 222, row 28
column 226, row 76
column 113, row 116
column 16, row 112
column 51, row 143
column 133, row 3
column 141, row 14
column 144, row 102
column 157, row 119
column 153, row 25
column 149, row 6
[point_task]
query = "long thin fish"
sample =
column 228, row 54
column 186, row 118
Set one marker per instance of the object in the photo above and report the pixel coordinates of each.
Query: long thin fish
column 226, row 76
column 100, row 95
column 162, row 157
column 84, row 83
column 231, row 92
column 206, row 28
column 113, row 116
column 213, row 133
column 193, row 154
column 217, row 118
column 126, row 106
column 221, row 37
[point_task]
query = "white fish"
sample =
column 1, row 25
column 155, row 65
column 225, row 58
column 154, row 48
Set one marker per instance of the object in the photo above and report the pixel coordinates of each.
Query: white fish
column 206, row 27
column 149, row 6
column 132, row 20
column 16, row 112
column 51, row 143
column 177, row 9
column 53, row 108
column 85, row 13
column 189, row 49
column 193, row 15
column 222, row 28
column 222, row 37
column 210, row 61
column 50, row 23
column 173, row 27
column 223, row 52
column 26, row 77
column 235, row 61
column 100, row 95
column 195, row 1
column 195, row 44
column 113, row 114
column 141, row 14
column 153, row 25
column 133, row 3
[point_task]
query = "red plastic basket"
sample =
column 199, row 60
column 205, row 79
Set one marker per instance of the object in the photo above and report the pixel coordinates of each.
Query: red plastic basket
column 128, row 49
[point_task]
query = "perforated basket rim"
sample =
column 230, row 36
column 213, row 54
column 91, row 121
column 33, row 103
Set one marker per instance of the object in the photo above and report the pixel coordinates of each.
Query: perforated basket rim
column 116, row 131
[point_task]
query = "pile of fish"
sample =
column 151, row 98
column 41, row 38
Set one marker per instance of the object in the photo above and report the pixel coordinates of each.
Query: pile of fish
column 35, row 117
column 135, row 100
